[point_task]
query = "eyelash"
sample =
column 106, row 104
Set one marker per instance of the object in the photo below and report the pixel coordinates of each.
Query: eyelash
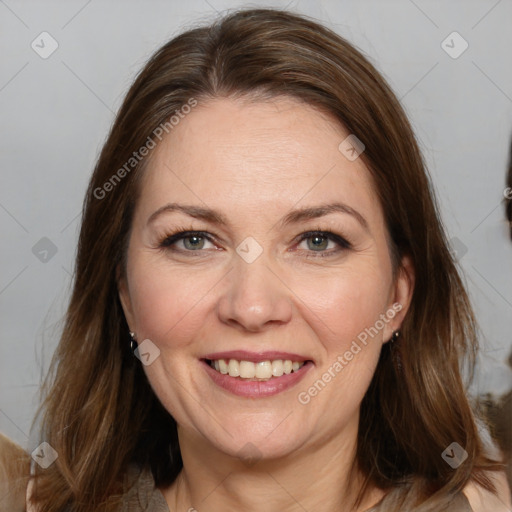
column 169, row 240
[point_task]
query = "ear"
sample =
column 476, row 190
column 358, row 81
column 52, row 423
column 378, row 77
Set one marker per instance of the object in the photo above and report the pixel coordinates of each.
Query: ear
column 400, row 297
column 124, row 297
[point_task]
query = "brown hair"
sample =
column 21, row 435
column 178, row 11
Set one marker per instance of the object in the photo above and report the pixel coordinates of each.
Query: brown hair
column 100, row 413
column 14, row 473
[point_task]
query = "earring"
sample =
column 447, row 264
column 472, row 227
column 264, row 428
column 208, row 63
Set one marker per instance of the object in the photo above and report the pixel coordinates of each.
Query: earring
column 133, row 342
column 395, row 350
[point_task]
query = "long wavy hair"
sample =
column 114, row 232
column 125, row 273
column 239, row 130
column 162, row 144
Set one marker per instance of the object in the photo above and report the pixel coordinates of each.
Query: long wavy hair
column 98, row 410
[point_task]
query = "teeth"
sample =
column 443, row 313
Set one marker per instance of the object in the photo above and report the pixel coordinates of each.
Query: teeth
column 277, row 368
column 263, row 370
column 246, row 369
column 234, row 368
column 223, row 366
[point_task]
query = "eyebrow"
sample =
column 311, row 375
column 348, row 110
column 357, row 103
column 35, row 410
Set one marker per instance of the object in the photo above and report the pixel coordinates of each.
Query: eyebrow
column 293, row 217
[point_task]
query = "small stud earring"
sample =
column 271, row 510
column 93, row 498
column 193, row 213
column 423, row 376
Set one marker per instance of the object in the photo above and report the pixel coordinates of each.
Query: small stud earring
column 133, row 342
column 395, row 336
column 395, row 350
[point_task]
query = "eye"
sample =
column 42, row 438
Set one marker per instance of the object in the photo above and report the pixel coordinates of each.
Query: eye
column 191, row 241
column 321, row 243
column 318, row 241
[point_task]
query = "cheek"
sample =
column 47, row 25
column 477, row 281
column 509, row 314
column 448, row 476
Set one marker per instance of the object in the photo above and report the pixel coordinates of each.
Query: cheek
column 343, row 311
column 166, row 303
column 345, row 304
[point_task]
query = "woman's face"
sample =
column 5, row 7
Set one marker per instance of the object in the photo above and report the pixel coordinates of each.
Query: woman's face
column 253, row 178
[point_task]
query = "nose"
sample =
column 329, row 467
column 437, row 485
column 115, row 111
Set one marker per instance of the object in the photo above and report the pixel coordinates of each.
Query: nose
column 254, row 298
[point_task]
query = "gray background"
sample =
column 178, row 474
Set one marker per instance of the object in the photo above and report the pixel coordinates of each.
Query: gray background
column 55, row 114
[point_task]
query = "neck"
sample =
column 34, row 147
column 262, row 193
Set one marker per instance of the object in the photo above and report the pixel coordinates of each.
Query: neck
column 318, row 477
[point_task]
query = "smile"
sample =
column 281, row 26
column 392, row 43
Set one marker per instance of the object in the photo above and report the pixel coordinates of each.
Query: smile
column 259, row 371
column 259, row 378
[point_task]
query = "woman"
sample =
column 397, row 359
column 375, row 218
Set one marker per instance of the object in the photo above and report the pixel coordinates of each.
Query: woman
column 265, row 314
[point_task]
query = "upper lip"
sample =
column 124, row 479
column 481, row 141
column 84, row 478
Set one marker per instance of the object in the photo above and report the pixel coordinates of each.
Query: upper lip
column 244, row 355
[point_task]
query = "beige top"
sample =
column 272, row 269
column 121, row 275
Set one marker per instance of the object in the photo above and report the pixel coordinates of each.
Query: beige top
column 144, row 497
column 459, row 503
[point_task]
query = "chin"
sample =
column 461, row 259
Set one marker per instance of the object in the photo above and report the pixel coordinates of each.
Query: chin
column 256, row 443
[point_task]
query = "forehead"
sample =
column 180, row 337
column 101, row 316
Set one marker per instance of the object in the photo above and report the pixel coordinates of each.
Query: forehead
column 260, row 155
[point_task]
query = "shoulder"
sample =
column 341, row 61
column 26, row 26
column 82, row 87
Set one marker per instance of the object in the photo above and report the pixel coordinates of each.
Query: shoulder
column 144, row 492
column 14, row 475
column 140, row 493
column 482, row 500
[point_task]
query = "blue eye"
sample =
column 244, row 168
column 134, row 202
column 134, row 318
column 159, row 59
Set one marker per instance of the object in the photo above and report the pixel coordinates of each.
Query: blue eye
column 192, row 240
column 320, row 242
column 317, row 242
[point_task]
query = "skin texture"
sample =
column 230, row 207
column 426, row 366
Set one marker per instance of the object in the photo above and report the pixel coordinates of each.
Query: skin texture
column 255, row 161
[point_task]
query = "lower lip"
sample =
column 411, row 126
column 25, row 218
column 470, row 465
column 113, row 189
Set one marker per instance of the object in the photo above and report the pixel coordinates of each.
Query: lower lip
column 257, row 389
